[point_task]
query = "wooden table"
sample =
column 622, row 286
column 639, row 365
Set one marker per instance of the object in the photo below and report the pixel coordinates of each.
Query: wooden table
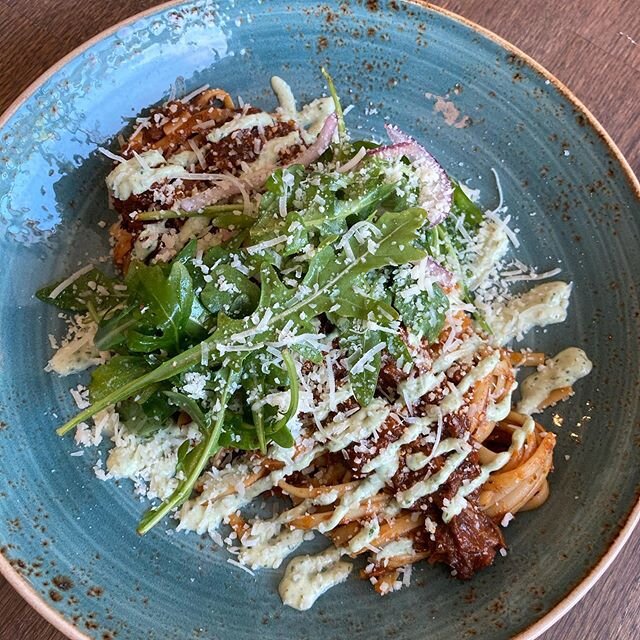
column 591, row 45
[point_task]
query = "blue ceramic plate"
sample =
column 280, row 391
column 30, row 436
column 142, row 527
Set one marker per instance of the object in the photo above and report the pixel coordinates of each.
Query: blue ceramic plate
column 68, row 541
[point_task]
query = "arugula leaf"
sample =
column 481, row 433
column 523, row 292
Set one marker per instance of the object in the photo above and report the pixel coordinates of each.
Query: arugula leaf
column 465, row 213
column 189, row 406
column 358, row 206
column 398, row 350
column 176, row 365
column 92, row 290
column 279, row 186
column 144, row 418
column 364, row 381
column 307, row 352
column 230, row 291
column 144, row 343
column 191, row 461
column 342, row 131
column 469, row 298
column 223, row 216
column 258, row 420
column 283, row 438
column 328, row 282
column 200, row 320
column 366, row 144
column 330, row 276
column 424, row 313
column 463, row 207
column 272, row 225
column 186, row 255
column 294, row 387
column 165, row 304
column 238, row 434
column 115, row 373
column 282, row 183
column 327, row 286
column 232, row 220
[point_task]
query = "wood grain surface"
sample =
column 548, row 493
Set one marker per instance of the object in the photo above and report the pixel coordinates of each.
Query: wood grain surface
column 593, row 46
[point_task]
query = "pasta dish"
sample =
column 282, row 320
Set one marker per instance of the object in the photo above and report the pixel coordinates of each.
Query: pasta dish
column 312, row 334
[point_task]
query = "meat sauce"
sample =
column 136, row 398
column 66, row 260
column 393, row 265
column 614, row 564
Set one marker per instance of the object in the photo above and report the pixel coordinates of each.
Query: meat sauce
column 225, row 156
column 470, row 540
column 228, row 155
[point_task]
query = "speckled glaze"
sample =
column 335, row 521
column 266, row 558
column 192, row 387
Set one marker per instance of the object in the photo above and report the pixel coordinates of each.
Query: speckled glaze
column 476, row 105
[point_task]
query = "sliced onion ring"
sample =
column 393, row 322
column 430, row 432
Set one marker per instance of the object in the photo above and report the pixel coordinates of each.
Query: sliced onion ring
column 321, row 143
column 440, row 273
column 436, row 190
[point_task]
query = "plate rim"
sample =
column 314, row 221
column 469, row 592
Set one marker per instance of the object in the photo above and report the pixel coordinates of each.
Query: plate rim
column 55, row 617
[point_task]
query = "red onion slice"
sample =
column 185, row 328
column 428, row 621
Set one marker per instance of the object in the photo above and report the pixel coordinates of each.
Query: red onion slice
column 436, row 190
column 393, row 151
column 206, row 197
column 427, row 271
column 442, row 275
column 256, row 179
column 225, row 189
column 321, row 143
column 396, row 135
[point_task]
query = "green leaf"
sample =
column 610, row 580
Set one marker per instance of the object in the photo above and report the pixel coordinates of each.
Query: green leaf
column 192, row 461
column 398, row 350
column 424, row 313
column 187, row 254
column 189, row 406
column 217, row 254
column 333, row 276
column 223, row 216
column 366, row 144
column 469, row 298
column 342, row 132
column 232, row 220
column 91, row 290
column 325, row 288
column 114, row 374
column 113, row 332
column 144, row 418
column 307, row 352
column 282, row 183
column 449, row 238
column 230, row 291
column 294, row 387
column 180, row 363
column 358, row 206
column 165, row 303
column 364, row 381
column 145, row 343
column 463, row 206
column 237, row 434
column 283, row 438
column 276, row 183
column 258, row 420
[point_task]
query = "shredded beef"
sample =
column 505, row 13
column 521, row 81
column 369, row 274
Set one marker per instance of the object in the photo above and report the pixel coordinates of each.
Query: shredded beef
column 228, row 155
column 467, row 543
column 177, row 112
column 391, row 375
column 471, row 539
